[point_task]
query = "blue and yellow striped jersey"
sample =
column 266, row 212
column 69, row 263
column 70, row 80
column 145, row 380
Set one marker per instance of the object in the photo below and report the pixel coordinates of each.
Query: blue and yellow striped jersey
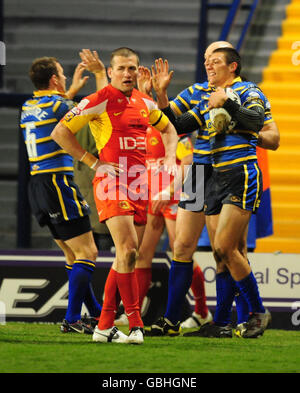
column 207, row 145
column 186, row 101
column 39, row 116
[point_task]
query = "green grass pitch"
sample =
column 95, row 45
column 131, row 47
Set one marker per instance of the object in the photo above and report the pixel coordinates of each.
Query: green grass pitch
column 42, row 348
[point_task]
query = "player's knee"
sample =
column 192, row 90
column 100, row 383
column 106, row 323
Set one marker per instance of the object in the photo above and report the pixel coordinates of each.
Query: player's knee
column 90, row 252
column 130, row 257
column 183, row 249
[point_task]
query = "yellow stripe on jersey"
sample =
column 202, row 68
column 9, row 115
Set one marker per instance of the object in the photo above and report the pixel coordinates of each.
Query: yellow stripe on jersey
column 175, row 108
column 45, row 156
column 226, row 148
column 245, row 186
column 183, row 102
column 56, row 106
column 197, row 118
column 59, row 169
column 197, row 151
column 74, row 196
column 256, row 104
column 41, row 123
column 241, row 159
column 41, row 140
column 158, row 119
column 60, row 197
column 30, row 107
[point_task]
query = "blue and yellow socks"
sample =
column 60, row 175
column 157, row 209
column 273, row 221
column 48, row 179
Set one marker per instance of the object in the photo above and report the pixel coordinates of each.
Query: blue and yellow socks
column 248, row 288
column 180, row 280
column 80, row 290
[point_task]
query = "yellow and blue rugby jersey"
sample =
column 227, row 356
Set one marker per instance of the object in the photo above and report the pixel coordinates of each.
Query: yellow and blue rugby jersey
column 237, row 146
column 39, row 116
column 186, row 101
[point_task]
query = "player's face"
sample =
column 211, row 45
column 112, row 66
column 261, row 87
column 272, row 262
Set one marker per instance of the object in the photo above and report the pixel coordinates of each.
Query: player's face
column 218, row 71
column 61, row 79
column 123, row 73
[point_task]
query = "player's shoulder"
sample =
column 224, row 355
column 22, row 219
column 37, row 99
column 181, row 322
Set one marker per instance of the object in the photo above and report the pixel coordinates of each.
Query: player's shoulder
column 248, row 90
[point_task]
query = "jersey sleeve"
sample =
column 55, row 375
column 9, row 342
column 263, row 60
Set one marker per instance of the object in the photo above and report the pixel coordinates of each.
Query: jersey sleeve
column 61, row 107
column 182, row 102
column 252, row 97
column 89, row 108
column 268, row 113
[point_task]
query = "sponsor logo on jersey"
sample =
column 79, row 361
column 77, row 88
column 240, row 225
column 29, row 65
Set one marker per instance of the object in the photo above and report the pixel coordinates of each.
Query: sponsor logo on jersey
column 124, row 205
column 154, row 141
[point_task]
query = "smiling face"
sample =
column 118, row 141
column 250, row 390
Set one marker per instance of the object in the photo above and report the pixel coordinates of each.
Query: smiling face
column 123, row 73
column 219, row 73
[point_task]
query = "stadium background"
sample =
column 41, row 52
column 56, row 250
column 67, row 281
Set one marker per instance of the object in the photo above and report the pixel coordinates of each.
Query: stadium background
column 174, row 30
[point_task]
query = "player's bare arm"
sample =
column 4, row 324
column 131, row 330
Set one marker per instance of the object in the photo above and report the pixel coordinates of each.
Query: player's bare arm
column 67, row 140
column 170, row 140
column 269, row 137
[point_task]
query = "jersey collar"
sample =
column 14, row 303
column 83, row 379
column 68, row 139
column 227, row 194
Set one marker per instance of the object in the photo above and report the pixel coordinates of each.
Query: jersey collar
column 43, row 93
column 237, row 79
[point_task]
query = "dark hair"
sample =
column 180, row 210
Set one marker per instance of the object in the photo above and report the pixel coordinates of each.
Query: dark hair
column 125, row 52
column 231, row 56
column 41, row 71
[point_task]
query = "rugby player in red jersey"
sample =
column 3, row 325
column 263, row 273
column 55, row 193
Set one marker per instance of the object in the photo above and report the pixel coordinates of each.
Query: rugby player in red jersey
column 119, row 116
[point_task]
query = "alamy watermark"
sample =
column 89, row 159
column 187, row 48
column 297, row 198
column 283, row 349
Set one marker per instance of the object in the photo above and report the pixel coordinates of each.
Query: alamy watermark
column 135, row 183
column 2, row 53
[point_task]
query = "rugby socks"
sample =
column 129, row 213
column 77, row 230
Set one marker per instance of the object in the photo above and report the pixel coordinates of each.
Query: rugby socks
column 91, row 303
column 242, row 308
column 143, row 276
column 111, row 302
column 226, row 289
column 94, row 308
column 198, row 289
column 249, row 289
column 180, row 280
column 129, row 291
column 68, row 269
column 79, row 281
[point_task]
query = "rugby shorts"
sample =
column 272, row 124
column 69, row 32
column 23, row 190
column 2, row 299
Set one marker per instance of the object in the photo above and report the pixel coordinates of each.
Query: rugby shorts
column 240, row 186
column 119, row 201
column 195, row 187
column 56, row 201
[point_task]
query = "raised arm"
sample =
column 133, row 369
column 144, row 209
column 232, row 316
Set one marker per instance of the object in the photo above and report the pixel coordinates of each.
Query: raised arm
column 94, row 65
column 161, row 78
column 78, row 81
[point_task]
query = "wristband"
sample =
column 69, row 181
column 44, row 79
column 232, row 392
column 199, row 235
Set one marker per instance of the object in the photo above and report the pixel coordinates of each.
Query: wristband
column 82, row 158
column 94, row 164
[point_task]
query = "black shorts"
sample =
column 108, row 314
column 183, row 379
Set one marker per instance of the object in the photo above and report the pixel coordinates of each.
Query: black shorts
column 195, row 187
column 55, row 200
column 240, row 186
